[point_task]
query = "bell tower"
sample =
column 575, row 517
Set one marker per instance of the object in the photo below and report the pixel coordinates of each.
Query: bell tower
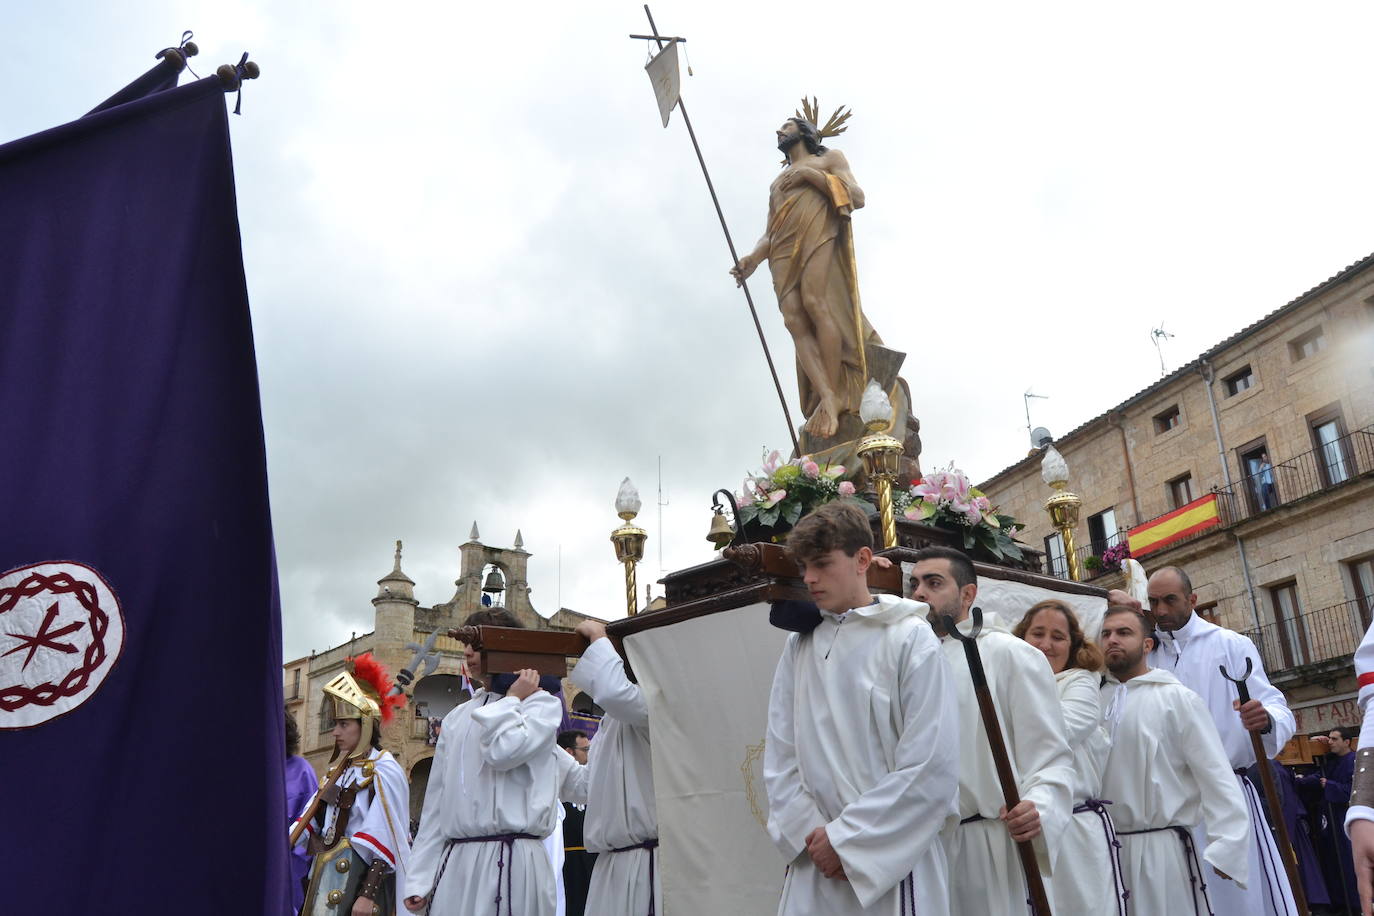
column 498, row 574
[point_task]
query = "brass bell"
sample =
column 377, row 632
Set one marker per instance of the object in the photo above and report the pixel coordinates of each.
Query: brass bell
column 494, row 583
column 721, row 533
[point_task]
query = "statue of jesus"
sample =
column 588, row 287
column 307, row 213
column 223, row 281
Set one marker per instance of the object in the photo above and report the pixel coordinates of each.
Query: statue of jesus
column 808, row 250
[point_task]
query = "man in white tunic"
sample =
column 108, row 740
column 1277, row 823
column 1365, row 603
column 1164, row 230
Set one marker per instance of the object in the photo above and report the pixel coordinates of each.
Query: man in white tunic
column 1359, row 817
column 1192, row 649
column 621, row 826
column 493, row 795
column 985, row 868
column 860, row 762
column 1166, row 774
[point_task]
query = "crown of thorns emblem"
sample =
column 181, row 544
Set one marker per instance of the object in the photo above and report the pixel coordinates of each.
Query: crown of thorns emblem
column 61, row 630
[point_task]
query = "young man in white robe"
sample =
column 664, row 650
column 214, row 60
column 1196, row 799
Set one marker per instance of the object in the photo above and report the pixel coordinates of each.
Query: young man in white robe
column 493, row 795
column 985, row 867
column 1192, row 649
column 1359, row 817
column 1167, row 773
column 621, row 826
column 861, row 758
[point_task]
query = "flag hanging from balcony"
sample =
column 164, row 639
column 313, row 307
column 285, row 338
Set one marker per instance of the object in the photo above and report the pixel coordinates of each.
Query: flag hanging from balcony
column 1198, row 515
column 140, row 639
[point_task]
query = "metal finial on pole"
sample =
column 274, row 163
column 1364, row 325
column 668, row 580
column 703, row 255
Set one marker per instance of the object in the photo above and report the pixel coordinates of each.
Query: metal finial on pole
column 730, row 243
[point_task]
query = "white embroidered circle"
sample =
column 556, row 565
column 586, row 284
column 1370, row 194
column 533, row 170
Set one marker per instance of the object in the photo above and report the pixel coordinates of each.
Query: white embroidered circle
column 61, row 632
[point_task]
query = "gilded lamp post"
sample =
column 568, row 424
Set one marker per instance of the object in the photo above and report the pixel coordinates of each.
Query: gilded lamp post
column 1063, row 506
column 628, row 540
column 880, row 453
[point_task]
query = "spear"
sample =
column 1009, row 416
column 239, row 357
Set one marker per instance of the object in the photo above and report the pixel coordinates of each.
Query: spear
column 730, row 243
column 1035, row 884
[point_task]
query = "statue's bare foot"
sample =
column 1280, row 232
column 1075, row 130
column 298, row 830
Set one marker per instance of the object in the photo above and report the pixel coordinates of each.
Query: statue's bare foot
column 824, row 421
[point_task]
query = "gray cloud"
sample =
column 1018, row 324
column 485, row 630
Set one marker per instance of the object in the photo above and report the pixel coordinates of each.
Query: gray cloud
column 486, row 284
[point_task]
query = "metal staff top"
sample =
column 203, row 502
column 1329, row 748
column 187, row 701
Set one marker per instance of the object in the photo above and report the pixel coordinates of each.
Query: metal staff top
column 1241, row 687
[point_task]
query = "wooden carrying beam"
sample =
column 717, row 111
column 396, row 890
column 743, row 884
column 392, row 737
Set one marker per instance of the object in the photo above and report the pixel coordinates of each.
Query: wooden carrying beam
column 505, row 650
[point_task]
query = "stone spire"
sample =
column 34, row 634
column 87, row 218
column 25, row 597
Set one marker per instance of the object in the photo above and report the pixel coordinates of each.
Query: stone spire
column 519, row 540
column 474, row 535
column 396, row 585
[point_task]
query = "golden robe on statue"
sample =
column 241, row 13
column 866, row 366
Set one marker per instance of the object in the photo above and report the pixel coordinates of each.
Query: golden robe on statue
column 807, row 231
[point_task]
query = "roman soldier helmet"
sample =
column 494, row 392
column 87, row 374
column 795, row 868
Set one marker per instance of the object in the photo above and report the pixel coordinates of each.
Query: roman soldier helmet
column 364, row 692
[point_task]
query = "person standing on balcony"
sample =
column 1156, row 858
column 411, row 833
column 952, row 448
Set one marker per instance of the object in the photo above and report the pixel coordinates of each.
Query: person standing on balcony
column 1192, row 649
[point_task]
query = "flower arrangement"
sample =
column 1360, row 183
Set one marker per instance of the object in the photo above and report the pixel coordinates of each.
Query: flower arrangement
column 783, row 491
column 1113, row 555
column 946, row 498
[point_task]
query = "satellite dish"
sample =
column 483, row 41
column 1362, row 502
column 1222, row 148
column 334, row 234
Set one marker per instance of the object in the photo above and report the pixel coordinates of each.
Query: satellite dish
column 1040, row 437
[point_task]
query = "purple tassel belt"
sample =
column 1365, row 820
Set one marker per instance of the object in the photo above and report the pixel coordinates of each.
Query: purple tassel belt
column 507, row 841
column 1098, row 806
column 652, row 846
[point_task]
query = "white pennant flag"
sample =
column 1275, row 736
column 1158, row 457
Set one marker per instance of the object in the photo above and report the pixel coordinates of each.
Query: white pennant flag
column 663, row 74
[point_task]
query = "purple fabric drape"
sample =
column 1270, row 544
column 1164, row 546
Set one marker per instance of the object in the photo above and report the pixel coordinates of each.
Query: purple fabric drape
column 133, row 446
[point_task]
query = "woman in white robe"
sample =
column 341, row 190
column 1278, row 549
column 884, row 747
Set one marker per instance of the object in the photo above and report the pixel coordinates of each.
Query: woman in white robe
column 1087, row 872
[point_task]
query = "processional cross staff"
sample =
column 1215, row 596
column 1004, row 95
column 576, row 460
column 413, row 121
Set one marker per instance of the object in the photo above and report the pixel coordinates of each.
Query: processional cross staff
column 1271, row 792
column 720, row 214
column 1035, row 884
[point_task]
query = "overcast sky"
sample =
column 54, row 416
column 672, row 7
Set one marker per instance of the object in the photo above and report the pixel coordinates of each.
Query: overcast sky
column 487, row 284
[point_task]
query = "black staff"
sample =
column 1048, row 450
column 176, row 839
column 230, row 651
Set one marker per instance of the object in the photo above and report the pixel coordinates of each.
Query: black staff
column 1271, row 792
column 1040, row 903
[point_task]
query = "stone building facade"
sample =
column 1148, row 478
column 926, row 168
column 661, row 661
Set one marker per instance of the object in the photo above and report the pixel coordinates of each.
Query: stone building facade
column 1278, row 422
column 499, row 574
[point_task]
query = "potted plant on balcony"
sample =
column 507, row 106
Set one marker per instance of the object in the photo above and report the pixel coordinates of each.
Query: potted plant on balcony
column 1113, row 555
column 1093, row 564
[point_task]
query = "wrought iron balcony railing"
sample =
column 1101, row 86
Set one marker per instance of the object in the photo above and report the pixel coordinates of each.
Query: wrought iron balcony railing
column 1317, row 636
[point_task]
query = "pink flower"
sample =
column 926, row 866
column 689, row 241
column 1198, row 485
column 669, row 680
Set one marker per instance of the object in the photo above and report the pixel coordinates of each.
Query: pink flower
column 846, row 488
column 776, row 497
column 811, row 469
column 771, row 464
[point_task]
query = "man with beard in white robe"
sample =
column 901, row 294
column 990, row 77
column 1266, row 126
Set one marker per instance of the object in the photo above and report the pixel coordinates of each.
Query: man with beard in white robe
column 621, row 826
column 985, row 868
column 1192, row 649
column 493, row 795
column 860, row 762
column 1166, row 774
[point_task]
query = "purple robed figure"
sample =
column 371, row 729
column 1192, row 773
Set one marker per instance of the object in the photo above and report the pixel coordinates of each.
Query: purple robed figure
column 300, row 787
column 1331, row 790
column 1295, row 818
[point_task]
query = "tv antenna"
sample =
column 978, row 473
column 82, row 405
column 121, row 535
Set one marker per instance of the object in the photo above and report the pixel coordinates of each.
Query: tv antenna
column 1026, row 399
column 1157, row 337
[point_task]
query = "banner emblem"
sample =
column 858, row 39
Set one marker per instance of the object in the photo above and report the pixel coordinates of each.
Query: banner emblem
column 61, row 632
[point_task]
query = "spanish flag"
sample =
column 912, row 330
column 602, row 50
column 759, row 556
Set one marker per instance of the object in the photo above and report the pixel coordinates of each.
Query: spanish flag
column 1198, row 515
